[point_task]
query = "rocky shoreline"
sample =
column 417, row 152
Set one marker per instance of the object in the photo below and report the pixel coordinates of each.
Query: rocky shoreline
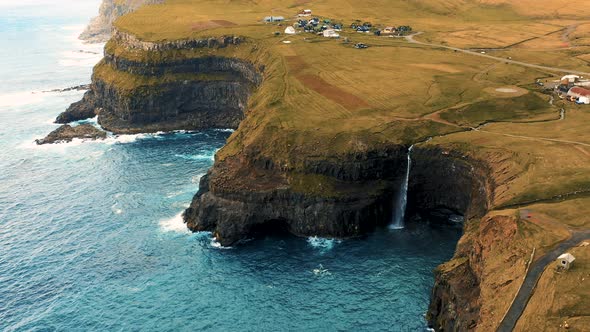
column 67, row 133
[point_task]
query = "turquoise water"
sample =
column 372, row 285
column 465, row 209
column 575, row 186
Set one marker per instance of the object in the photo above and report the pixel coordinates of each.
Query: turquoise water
column 91, row 239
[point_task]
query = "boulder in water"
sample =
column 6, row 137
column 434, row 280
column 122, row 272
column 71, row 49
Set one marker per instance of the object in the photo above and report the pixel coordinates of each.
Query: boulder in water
column 67, row 133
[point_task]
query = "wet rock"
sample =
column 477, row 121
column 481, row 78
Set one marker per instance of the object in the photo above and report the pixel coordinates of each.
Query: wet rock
column 81, row 110
column 67, row 133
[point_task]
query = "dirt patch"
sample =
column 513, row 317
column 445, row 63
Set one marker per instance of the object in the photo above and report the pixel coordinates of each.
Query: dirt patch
column 211, row 24
column 506, row 91
column 439, row 67
column 334, row 93
column 296, row 66
column 295, row 63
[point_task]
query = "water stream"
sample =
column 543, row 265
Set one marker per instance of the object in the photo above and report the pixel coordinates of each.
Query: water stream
column 402, row 197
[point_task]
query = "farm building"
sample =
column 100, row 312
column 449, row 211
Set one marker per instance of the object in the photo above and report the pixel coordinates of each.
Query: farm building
column 290, row 31
column 570, row 78
column 274, row 19
column 565, row 261
column 388, row 30
column 305, row 12
column 584, row 100
column 577, row 92
column 331, row 33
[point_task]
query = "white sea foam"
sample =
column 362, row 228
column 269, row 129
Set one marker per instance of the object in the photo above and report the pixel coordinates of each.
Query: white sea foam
column 215, row 244
column 321, row 271
column 110, row 140
column 175, row 224
column 323, row 244
column 174, row 194
column 125, row 139
column 56, row 147
column 207, row 156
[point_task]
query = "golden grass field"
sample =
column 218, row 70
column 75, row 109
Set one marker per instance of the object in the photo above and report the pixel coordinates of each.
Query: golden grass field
column 322, row 98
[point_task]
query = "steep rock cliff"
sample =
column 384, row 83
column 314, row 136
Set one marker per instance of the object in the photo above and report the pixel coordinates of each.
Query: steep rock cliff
column 239, row 194
column 131, row 96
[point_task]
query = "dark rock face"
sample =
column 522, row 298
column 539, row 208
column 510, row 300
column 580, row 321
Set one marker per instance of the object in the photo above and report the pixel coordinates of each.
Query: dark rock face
column 234, row 217
column 454, row 301
column 67, row 133
column 188, row 104
column 369, row 182
column 445, row 180
column 83, row 109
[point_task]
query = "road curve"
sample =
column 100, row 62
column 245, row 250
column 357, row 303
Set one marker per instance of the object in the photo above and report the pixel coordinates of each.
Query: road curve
column 411, row 39
column 533, row 276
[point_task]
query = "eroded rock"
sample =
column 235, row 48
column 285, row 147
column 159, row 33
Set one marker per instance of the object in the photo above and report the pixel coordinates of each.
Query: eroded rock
column 67, row 133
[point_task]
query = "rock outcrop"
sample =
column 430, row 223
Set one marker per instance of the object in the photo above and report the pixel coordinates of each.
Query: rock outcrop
column 238, row 197
column 168, row 94
column 80, row 110
column 67, row 133
column 100, row 28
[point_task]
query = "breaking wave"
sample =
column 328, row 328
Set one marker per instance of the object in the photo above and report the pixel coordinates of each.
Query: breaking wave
column 175, row 224
column 323, row 244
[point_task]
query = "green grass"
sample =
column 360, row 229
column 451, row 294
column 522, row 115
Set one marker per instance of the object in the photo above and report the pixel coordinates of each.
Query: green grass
column 127, row 83
column 530, row 106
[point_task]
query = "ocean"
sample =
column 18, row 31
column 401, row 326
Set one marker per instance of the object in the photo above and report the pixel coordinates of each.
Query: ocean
column 91, row 237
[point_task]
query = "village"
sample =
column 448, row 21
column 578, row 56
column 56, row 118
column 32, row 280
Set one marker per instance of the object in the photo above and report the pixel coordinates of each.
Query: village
column 574, row 88
column 305, row 22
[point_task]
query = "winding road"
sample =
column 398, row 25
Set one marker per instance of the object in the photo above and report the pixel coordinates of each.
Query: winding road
column 533, row 276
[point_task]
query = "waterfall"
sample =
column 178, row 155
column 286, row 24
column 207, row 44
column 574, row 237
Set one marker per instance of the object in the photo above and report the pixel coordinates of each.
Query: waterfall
column 402, row 198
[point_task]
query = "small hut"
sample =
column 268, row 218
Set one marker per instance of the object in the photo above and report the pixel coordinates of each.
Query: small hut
column 331, row 33
column 270, row 19
column 565, row 261
column 571, row 78
column 290, row 31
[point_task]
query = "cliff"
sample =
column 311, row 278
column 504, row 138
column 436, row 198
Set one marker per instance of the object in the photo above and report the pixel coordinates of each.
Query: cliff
column 190, row 93
column 347, row 196
column 99, row 29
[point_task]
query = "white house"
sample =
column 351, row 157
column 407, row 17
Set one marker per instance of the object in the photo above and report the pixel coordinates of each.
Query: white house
column 290, row 31
column 565, row 261
column 577, row 92
column 305, row 12
column 331, row 33
column 274, row 19
column 584, row 100
column 570, row 78
column 388, row 30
